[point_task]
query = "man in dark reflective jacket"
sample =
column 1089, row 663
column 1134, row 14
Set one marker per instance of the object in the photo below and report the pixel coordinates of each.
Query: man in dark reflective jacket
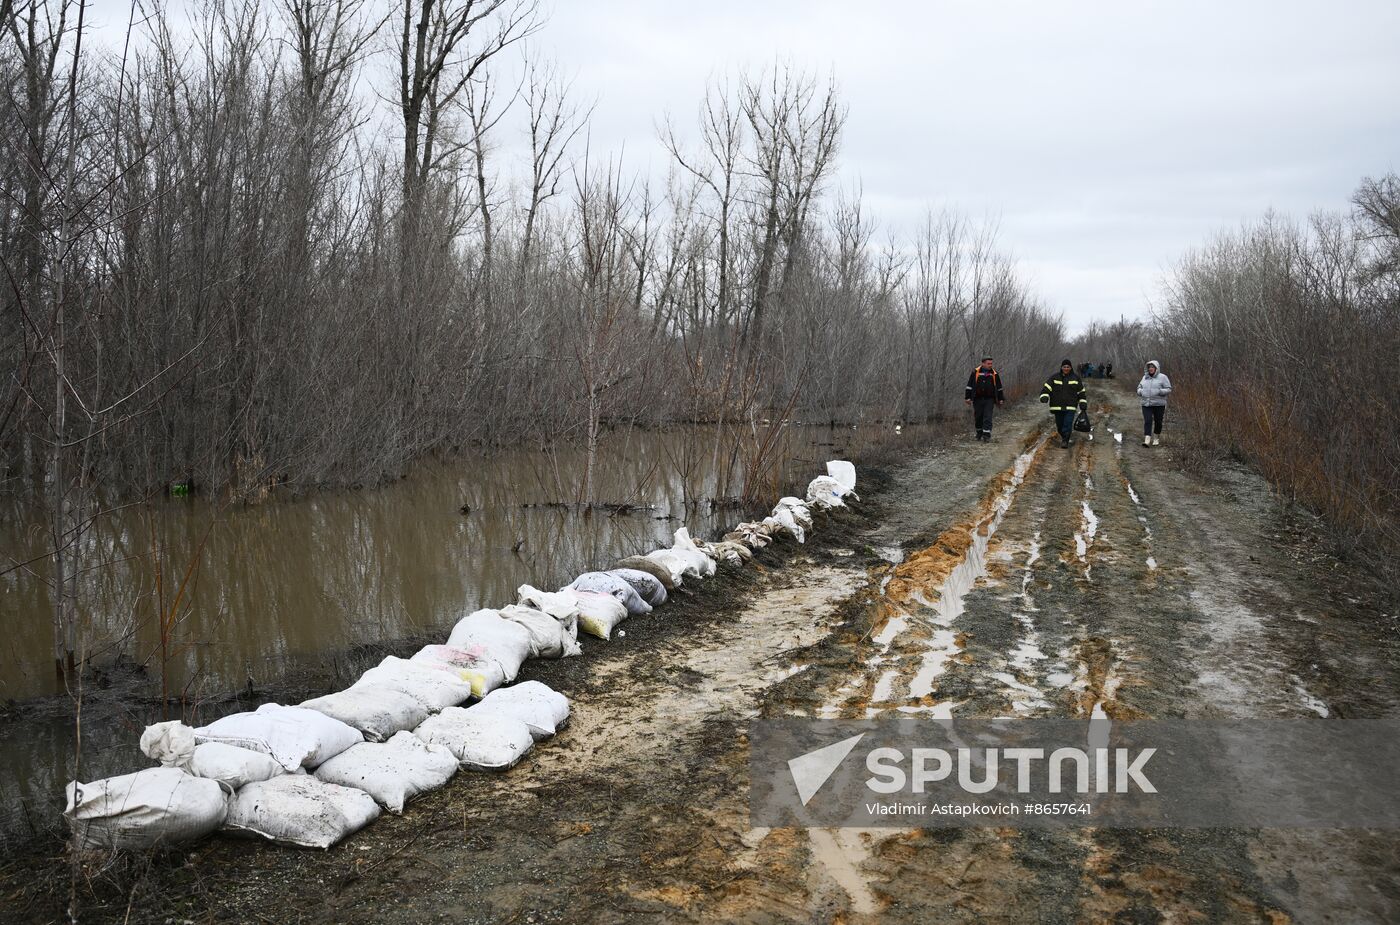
column 1065, row 394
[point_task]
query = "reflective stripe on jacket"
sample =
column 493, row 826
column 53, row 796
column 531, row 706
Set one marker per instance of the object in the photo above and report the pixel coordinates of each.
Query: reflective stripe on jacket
column 1064, row 393
column 984, row 383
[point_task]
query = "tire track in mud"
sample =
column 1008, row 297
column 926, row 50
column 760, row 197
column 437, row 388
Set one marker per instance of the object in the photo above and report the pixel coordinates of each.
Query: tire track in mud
column 1041, row 601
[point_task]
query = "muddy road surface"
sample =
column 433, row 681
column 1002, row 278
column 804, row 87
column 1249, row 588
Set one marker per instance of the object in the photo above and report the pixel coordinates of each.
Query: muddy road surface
column 1010, row 579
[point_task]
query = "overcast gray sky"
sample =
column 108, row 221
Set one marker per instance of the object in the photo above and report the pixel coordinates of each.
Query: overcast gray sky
column 1106, row 137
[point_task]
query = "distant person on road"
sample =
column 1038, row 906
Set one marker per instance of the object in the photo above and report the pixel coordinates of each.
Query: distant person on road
column 1153, row 390
column 1108, row 370
column 1065, row 394
column 984, row 394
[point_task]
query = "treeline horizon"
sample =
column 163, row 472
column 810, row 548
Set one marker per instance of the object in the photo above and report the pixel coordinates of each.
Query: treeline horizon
column 216, row 272
column 1277, row 337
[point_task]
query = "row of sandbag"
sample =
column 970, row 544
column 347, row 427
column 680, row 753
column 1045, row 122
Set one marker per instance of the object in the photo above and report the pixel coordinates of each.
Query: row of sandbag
column 296, row 776
column 313, row 774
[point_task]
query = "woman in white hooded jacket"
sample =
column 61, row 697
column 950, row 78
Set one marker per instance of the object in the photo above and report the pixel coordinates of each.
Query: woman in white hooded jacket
column 1153, row 390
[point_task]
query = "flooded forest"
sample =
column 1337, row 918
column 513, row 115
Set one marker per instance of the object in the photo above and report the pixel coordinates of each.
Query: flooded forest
column 318, row 328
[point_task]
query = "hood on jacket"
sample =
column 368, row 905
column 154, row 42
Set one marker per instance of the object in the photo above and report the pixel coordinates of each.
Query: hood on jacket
column 1153, row 363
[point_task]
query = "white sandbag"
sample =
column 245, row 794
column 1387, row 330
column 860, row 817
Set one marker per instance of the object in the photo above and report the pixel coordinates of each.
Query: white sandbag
column 231, row 765
column 392, row 772
column 606, row 583
column 598, row 614
column 171, row 743
column 800, row 512
column 703, row 566
column 473, row 665
column 824, row 492
column 506, row 642
column 754, row 534
column 559, row 606
column 727, row 551
column 481, row 741
column 294, row 736
column 377, row 710
column 646, row 584
column 432, row 687
column 676, row 564
column 670, row 580
column 782, row 521
column 299, row 809
column 535, row 704
column 150, row 807
column 843, row 472
column 548, row 637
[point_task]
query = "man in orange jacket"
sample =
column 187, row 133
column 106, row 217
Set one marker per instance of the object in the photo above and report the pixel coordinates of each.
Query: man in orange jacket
column 984, row 393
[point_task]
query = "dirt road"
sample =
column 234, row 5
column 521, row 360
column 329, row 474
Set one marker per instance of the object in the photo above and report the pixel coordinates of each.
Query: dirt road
column 1010, row 579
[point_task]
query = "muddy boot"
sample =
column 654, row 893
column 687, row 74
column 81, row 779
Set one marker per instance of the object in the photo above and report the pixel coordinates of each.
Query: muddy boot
column 1157, row 440
column 1064, row 442
column 1146, row 440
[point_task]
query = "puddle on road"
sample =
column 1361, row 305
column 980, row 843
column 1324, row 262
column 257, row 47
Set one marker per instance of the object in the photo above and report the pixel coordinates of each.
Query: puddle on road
column 1142, row 519
column 961, row 575
column 935, row 580
column 1308, row 699
column 840, row 852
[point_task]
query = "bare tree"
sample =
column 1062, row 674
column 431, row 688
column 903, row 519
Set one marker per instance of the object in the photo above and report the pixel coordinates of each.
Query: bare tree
column 554, row 122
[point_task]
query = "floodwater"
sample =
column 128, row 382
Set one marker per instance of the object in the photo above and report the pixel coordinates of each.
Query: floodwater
column 286, row 579
column 292, row 584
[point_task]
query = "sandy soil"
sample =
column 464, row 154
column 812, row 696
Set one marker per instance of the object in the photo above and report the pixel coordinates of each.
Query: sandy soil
column 1015, row 578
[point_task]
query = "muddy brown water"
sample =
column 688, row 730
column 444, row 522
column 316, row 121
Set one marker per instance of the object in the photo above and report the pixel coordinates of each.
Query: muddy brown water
column 288, row 587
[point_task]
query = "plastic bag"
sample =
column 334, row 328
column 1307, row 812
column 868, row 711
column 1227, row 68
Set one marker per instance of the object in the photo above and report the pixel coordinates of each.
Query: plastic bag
column 432, row 687
column 392, row 772
column 548, row 637
column 294, row 736
column 506, row 642
column 481, row 741
column 472, row 665
column 150, row 807
column 377, row 710
column 607, row 583
column 1081, row 421
column 598, row 614
column 298, row 809
column 651, row 588
column 536, row 705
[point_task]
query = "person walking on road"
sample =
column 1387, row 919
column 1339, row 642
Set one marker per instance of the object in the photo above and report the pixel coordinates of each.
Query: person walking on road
column 1065, row 394
column 1153, row 390
column 984, row 393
